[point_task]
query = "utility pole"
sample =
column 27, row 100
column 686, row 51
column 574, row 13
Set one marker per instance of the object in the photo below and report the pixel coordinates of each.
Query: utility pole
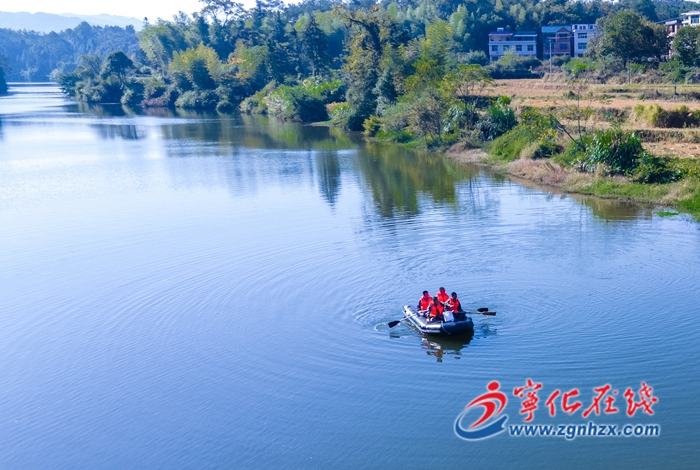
column 551, row 40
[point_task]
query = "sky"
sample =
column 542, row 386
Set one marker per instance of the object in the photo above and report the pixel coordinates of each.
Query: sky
column 152, row 9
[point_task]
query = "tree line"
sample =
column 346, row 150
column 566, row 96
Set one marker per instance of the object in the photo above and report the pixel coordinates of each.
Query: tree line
column 401, row 70
column 33, row 56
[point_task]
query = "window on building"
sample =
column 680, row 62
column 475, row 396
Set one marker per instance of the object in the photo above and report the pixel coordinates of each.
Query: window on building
column 695, row 19
column 583, row 26
column 518, row 48
column 494, row 48
column 582, row 45
column 530, row 47
column 506, row 48
column 563, row 47
column 583, row 35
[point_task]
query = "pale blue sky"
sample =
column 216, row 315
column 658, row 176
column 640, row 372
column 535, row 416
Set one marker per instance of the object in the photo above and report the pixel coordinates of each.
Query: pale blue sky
column 131, row 8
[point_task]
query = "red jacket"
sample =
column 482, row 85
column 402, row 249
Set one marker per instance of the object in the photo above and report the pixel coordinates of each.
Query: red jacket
column 454, row 305
column 424, row 303
column 436, row 310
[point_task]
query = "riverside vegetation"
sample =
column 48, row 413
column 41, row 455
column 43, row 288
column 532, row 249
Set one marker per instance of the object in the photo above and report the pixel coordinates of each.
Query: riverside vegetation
column 417, row 73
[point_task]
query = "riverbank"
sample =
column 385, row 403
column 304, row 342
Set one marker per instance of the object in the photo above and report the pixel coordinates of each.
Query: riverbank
column 684, row 195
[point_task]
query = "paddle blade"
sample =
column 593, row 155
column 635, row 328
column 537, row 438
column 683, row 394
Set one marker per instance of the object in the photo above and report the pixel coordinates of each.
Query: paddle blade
column 488, row 313
column 394, row 323
column 482, row 309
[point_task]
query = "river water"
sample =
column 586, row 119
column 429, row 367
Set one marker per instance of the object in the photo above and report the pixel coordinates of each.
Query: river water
column 183, row 290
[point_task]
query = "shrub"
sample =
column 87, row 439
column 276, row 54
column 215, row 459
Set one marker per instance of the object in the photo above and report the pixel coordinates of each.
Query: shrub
column 675, row 118
column 476, row 58
column 652, row 169
column 197, row 100
column 535, row 137
column 616, row 150
column 338, row 113
column 133, row 95
column 295, row 104
column 303, row 102
column 498, row 120
column 459, row 118
column 372, row 125
column 514, row 64
column 225, row 106
column 578, row 66
column 559, row 60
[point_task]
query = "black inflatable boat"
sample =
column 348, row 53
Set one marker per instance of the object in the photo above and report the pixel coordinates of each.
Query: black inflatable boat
column 461, row 327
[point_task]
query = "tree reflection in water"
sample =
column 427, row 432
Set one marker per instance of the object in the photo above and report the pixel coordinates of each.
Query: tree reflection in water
column 328, row 169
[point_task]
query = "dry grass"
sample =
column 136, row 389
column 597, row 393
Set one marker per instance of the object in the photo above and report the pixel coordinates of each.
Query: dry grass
column 540, row 171
column 461, row 152
column 608, row 104
column 674, row 149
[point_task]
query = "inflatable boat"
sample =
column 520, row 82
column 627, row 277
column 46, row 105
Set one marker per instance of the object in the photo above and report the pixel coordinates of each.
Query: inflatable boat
column 461, row 327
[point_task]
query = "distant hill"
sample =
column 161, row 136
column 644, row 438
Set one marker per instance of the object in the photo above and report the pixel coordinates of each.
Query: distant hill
column 47, row 22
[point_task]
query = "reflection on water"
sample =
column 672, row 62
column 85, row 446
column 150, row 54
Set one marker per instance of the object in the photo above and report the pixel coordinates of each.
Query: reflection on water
column 396, row 175
column 611, row 209
column 328, row 175
column 124, row 132
column 442, row 348
column 170, row 278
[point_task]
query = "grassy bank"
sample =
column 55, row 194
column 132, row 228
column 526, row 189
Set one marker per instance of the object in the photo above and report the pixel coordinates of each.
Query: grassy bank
column 684, row 195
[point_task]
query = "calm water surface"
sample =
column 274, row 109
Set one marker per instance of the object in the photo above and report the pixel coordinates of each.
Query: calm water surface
column 201, row 291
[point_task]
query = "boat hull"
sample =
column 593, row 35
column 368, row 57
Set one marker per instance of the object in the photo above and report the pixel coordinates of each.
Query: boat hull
column 454, row 328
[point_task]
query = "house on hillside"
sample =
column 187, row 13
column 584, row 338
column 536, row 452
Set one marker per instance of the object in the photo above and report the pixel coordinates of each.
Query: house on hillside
column 672, row 27
column 556, row 40
column 582, row 33
column 502, row 41
column 691, row 18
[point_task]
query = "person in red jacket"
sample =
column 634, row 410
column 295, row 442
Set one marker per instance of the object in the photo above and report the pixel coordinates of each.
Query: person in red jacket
column 435, row 311
column 442, row 296
column 453, row 303
column 425, row 302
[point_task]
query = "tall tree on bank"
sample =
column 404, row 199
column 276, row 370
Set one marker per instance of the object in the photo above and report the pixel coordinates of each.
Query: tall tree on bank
column 362, row 66
column 686, row 46
column 315, row 47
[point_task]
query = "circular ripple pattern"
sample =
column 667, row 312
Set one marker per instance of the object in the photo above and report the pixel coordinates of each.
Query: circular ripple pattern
column 202, row 291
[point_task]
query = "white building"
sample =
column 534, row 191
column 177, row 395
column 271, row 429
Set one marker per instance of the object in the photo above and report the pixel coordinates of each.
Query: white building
column 502, row 41
column 691, row 18
column 582, row 34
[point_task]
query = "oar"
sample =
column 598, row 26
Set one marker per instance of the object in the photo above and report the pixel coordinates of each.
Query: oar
column 482, row 311
column 396, row 322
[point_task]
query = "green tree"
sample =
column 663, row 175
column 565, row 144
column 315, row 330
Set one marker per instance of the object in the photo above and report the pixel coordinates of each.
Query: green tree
column 686, row 46
column 160, row 42
column 203, row 56
column 117, row 64
column 362, row 65
column 315, row 46
column 199, row 75
column 629, row 37
column 646, row 8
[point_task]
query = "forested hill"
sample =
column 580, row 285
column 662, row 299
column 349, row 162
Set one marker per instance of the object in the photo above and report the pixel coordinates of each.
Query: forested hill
column 30, row 55
column 48, row 22
column 33, row 56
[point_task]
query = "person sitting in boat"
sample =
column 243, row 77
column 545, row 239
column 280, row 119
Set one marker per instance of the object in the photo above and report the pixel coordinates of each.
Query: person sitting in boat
column 455, row 306
column 453, row 303
column 425, row 302
column 435, row 311
column 442, row 296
